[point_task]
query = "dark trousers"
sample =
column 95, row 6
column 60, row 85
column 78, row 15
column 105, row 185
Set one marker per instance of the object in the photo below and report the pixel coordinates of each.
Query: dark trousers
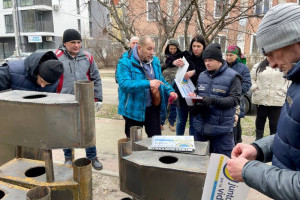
column 222, row 144
column 237, row 131
column 272, row 112
column 151, row 123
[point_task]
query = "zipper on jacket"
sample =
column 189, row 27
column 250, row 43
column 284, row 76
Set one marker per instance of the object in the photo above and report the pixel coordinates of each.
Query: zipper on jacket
column 70, row 68
column 128, row 95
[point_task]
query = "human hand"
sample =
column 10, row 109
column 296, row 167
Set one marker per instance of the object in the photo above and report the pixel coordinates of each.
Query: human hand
column 235, row 168
column 189, row 74
column 172, row 97
column 179, row 62
column 236, row 118
column 207, row 101
column 246, row 151
column 154, row 84
column 192, row 94
column 98, row 106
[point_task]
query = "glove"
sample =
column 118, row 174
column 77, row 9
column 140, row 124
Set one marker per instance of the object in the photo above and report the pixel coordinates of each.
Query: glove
column 202, row 105
column 98, row 106
column 207, row 101
column 171, row 100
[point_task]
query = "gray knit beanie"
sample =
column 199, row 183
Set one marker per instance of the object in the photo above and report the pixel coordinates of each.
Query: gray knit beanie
column 279, row 28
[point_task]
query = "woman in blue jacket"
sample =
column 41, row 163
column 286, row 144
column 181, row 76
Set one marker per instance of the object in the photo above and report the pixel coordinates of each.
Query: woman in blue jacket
column 237, row 62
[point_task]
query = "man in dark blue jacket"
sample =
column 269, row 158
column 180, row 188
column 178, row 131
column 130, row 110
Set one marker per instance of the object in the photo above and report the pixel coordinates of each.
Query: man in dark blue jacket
column 278, row 37
column 213, row 116
column 38, row 72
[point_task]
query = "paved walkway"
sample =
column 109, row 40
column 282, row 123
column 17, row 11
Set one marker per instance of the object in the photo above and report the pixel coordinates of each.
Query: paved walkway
column 108, row 132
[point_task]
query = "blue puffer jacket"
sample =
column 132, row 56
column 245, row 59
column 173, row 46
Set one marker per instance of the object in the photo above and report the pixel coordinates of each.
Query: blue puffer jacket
column 243, row 70
column 216, row 121
column 21, row 74
column 133, row 87
column 286, row 146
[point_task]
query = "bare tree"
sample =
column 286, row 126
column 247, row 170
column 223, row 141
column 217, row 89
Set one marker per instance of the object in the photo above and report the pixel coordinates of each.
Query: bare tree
column 171, row 19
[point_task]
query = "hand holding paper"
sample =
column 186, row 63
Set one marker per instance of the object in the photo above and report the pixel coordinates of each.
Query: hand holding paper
column 235, row 168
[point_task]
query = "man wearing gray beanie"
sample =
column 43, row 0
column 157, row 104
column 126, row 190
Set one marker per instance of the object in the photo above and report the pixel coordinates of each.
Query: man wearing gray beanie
column 79, row 65
column 278, row 37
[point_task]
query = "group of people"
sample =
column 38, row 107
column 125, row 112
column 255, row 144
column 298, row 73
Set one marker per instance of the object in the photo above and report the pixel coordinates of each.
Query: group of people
column 139, row 71
column 221, row 84
column 56, row 73
column 144, row 95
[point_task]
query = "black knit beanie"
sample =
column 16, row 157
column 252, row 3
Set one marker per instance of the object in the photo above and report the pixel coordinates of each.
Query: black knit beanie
column 50, row 70
column 213, row 51
column 71, row 34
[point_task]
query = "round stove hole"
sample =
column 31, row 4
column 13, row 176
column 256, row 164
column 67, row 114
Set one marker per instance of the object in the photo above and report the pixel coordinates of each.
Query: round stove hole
column 35, row 172
column 168, row 159
column 36, row 96
column 2, row 194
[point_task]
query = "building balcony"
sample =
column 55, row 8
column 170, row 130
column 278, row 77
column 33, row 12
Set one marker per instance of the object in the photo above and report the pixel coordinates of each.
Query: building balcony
column 36, row 3
column 38, row 26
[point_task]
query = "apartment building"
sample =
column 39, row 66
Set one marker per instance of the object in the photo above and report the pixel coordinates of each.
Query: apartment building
column 41, row 23
column 241, row 33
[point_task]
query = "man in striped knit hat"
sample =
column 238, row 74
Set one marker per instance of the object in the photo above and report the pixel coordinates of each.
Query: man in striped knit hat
column 278, row 37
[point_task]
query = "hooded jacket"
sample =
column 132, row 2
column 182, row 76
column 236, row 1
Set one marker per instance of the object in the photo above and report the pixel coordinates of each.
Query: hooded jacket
column 22, row 74
column 82, row 67
column 169, row 70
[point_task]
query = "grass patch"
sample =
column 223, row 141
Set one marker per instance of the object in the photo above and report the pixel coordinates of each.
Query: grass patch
column 107, row 75
column 248, row 123
column 109, row 111
column 248, row 126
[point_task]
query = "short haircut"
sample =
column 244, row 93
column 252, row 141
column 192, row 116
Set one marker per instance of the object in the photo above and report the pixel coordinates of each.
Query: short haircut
column 143, row 40
column 134, row 37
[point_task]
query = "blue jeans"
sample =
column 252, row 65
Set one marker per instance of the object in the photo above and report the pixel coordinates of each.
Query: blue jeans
column 182, row 116
column 91, row 152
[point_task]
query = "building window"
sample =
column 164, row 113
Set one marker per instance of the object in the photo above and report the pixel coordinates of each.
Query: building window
column 78, row 6
column 9, row 26
column 91, row 29
column 182, row 42
column 262, row 6
column 152, row 10
column 7, row 4
column 79, row 25
column 183, row 6
column 27, row 3
column 220, row 7
column 222, row 41
column 90, row 9
column 4, row 51
column 28, row 19
column 254, row 47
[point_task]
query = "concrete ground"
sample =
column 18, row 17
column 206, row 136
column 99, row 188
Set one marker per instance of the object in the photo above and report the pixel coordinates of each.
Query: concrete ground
column 108, row 132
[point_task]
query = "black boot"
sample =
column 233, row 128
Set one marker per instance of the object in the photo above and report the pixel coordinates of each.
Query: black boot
column 259, row 134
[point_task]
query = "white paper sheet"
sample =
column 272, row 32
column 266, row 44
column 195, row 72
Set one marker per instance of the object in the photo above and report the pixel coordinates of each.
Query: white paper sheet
column 185, row 86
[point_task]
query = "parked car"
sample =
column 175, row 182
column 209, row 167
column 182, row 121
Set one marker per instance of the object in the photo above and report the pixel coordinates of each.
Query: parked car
column 13, row 57
column 249, row 107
